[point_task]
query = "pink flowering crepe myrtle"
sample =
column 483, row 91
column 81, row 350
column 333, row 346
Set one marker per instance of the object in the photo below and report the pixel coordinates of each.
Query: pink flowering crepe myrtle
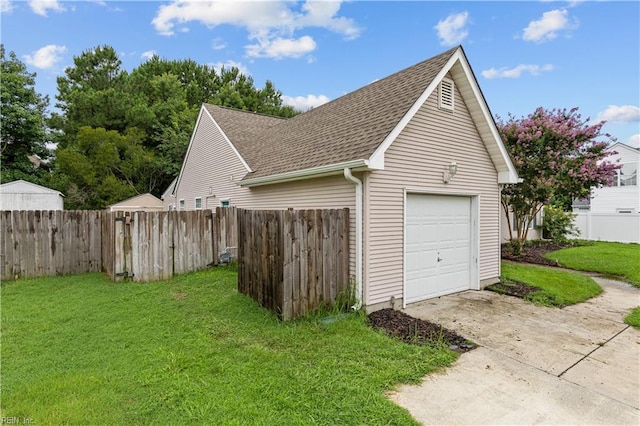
column 559, row 157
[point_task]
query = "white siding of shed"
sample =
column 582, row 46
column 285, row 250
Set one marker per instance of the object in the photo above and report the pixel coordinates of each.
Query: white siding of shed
column 416, row 160
column 21, row 195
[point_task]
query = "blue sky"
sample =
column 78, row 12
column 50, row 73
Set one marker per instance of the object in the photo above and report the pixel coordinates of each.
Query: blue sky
column 524, row 54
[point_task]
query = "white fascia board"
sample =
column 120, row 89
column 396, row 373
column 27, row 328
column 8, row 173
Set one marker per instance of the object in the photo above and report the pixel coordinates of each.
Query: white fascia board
column 315, row 172
column 244, row 163
column 378, row 156
column 505, row 176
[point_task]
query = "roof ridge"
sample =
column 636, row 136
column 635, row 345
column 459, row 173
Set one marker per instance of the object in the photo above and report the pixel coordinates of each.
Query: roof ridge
column 245, row 111
column 349, row 127
column 379, row 81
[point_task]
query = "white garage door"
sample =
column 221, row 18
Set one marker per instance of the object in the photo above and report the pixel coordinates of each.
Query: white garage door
column 437, row 246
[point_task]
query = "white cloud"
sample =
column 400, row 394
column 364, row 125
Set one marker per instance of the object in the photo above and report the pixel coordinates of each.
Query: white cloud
column 452, row 30
column 304, row 103
column 634, row 141
column 281, row 47
column 40, row 7
column 228, row 65
column 45, row 57
column 322, row 14
column 218, row 44
column 547, row 27
column 620, row 114
column 6, row 6
column 516, row 71
column 148, row 54
column 271, row 23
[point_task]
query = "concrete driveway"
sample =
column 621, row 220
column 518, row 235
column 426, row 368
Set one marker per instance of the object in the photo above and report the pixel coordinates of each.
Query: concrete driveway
column 534, row 365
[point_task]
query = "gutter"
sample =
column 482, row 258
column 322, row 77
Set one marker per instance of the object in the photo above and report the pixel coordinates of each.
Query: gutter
column 358, row 183
column 330, row 169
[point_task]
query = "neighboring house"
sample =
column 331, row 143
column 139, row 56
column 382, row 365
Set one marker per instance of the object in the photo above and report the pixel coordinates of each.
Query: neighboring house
column 168, row 197
column 415, row 156
column 613, row 212
column 23, row 195
column 535, row 230
column 140, row 203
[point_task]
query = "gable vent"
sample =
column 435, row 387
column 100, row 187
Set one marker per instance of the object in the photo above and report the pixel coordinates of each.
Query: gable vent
column 446, row 94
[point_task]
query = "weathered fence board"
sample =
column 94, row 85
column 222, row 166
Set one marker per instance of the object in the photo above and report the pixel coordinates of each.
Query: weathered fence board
column 226, row 232
column 43, row 243
column 289, row 261
column 153, row 246
column 293, row 261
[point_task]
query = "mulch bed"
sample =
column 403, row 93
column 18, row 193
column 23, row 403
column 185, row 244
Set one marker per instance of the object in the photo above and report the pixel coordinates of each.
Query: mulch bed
column 534, row 251
column 416, row 331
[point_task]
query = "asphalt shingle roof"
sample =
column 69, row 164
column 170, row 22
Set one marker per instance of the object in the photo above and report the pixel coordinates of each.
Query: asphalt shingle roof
column 348, row 128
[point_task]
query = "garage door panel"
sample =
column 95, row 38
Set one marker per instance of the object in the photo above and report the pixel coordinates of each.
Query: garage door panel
column 438, row 245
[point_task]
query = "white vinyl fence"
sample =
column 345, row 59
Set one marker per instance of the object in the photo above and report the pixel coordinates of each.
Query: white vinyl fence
column 624, row 228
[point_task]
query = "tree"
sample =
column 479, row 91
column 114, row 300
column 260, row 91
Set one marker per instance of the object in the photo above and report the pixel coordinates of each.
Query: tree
column 23, row 131
column 93, row 93
column 105, row 167
column 157, row 101
column 559, row 156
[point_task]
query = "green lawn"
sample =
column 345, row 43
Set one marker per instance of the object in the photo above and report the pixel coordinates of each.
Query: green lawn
column 634, row 317
column 83, row 350
column 557, row 287
column 608, row 258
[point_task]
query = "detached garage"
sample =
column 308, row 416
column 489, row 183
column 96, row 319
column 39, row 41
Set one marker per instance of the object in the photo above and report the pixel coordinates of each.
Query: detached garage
column 415, row 156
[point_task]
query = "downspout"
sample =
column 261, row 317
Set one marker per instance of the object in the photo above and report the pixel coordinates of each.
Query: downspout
column 358, row 183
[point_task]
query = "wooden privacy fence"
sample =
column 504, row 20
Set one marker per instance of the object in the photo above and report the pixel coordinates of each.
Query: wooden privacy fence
column 293, row 261
column 143, row 246
column 44, row 243
column 289, row 261
column 152, row 246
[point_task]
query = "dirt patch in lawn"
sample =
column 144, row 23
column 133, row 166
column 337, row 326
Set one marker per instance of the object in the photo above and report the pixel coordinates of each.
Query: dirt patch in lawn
column 534, row 251
column 513, row 288
column 416, row 331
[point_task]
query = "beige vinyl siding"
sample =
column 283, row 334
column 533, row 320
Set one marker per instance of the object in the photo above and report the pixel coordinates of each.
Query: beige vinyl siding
column 213, row 171
column 331, row 192
column 143, row 202
column 168, row 199
column 416, row 160
column 533, row 234
column 212, row 168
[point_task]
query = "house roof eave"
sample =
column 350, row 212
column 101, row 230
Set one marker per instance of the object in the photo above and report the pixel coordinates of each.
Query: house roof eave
column 315, row 172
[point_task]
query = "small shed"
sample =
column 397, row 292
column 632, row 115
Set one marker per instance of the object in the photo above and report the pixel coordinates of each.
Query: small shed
column 144, row 202
column 23, row 195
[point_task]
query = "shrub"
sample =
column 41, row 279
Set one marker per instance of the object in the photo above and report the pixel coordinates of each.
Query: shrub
column 558, row 224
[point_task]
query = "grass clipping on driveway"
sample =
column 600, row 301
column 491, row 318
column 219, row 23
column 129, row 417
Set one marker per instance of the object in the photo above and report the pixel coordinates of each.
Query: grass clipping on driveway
column 557, row 287
column 618, row 259
column 83, row 350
